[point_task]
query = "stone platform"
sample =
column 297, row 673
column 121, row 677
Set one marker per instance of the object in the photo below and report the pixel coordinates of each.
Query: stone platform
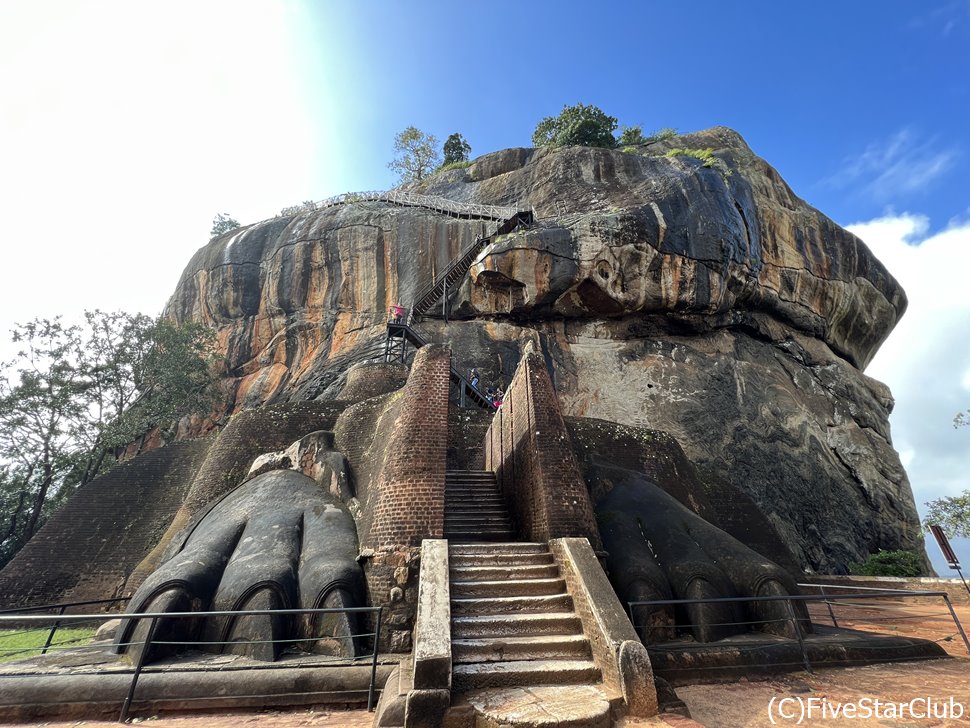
column 92, row 682
column 755, row 656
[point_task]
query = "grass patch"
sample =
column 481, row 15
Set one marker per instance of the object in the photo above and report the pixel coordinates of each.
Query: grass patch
column 705, row 155
column 16, row 644
column 460, row 164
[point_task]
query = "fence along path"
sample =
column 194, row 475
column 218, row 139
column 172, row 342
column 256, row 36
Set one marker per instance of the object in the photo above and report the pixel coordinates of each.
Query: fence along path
column 467, row 210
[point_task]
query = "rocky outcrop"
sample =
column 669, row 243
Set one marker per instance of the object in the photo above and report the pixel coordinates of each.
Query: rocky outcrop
column 708, row 302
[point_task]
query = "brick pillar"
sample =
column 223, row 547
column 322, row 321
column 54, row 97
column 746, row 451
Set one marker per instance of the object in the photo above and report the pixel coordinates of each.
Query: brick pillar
column 411, row 486
column 531, row 453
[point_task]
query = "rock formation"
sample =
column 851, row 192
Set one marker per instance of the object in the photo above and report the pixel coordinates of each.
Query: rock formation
column 706, row 302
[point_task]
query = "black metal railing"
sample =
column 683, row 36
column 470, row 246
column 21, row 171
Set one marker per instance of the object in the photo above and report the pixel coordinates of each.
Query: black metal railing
column 20, row 617
column 59, row 610
column 792, row 618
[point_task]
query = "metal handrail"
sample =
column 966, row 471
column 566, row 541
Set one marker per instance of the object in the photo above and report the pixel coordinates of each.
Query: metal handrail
column 433, row 202
column 790, row 599
column 156, row 616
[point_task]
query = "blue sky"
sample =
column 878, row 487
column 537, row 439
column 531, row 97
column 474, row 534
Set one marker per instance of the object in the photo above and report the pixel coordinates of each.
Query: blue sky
column 124, row 127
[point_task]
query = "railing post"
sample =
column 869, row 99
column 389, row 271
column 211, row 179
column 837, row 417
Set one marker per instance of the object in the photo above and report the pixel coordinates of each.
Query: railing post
column 956, row 621
column 141, row 663
column 373, row 664
column 50, row 635
column 798, row 634
column 829, row 605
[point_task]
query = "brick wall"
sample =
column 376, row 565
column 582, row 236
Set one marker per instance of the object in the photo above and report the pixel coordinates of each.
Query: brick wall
column 410, row 492
column 531, row 453
column 88, row 548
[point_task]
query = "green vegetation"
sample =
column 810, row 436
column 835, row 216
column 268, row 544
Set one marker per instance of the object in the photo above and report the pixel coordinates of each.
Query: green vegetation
column 705, row 155
column 456, row 150
column 222, row 223
column 76, row 396
column 16, row 644
column 579, row 125
column 951, row 513
column 305, row 206
column 889, row 563
column 662, row 134
column 461, row 164
column 415, row 155
column 631, row 135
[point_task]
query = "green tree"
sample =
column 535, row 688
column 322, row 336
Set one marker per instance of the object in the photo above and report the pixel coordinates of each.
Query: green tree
column 415, row 155
column 222, row 223
column 631, row 135
column 580, row 125
column 951, row 513
column 76, row 395
column 456, row 149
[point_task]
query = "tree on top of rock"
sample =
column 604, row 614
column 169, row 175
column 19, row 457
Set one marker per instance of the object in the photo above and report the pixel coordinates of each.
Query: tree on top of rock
column 580, row 125
column 456, row 149
column 415, row 155
column 222, row 223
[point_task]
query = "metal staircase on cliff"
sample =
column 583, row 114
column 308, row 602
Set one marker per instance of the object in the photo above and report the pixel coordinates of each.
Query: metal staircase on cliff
column 458, row 268
column 401, row 333
column 400, row 330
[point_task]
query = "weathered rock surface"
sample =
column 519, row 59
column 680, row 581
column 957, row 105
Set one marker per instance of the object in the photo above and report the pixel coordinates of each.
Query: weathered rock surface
column 713, row 305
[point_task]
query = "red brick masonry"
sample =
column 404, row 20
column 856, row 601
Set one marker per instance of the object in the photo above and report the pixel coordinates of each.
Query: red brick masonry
column 411, row 487
column 531, row 453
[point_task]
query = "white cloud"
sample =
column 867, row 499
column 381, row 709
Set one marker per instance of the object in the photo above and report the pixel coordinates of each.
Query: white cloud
column 926, row 360
column 904, row 163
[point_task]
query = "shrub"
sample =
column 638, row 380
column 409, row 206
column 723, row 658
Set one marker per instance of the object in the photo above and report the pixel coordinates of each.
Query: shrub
column 705, row 155
column 889, row 563
column 581, row 125
column 661, row 134
column 461, row 164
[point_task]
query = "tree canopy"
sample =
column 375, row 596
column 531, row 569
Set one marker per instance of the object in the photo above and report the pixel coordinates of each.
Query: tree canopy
column 456, row 149
column 582, row 125
column 222, row 223
column 415, row 155
column 951, row 513
column 76, row 395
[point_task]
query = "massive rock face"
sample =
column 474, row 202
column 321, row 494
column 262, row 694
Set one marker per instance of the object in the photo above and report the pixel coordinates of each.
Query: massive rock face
column 707, row 302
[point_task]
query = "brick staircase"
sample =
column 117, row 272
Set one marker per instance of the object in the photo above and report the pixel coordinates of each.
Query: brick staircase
column 475, row 509
column 512, row 622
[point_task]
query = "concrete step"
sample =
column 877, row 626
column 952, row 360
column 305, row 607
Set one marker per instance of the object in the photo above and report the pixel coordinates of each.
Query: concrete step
column 502, row 649
column 471, row 511
column 472, row 536
column 530, row 672
column 499, row 559
column 494, row 573
column 507, row 587
column 480, row 526
column 474, row 521
column 512, row 605
column 512, row 547
column 515, row 625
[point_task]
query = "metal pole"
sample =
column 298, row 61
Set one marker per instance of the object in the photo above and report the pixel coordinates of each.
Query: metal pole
column 829, row 605
column 141, row 663
column 798, row 634
column 50, row 636
column 956, row 621
column 373, row 664
column 965, row 586
column 444, row 300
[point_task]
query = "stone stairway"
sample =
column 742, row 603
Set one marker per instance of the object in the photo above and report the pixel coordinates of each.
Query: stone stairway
column 475, row 509
column 512, row 622
column 517, row 644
